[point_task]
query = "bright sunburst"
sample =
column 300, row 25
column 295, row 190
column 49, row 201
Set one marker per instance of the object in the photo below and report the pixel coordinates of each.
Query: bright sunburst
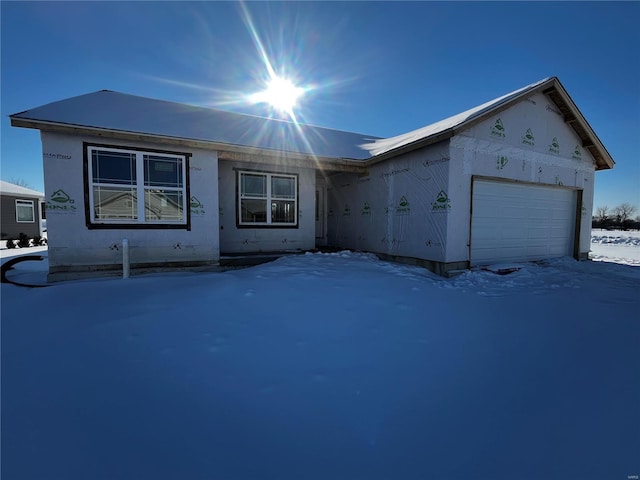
column 281, row 94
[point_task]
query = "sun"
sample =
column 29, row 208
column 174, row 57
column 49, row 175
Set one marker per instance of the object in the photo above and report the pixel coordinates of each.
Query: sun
column 281, row 94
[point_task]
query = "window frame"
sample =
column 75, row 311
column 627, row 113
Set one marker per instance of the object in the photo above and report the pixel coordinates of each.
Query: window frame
column 140, row 187
column 26, row 203
column 269, row 198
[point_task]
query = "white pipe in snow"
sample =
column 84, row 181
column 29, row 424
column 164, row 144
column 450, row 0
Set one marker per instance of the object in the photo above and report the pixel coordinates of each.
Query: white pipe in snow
column 125, row 258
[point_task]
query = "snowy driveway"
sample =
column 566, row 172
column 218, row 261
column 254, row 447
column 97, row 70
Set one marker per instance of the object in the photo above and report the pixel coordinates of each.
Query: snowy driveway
column 327, row 366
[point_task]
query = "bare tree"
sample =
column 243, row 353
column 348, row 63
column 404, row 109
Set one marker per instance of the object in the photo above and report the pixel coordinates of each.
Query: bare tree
column 623, row 214
column 21, row 182
column 603, row 216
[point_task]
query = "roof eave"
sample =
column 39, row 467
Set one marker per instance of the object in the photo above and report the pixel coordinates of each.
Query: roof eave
column 579, row 124
column 225, row 151
column 22, row 195
column 423, row 142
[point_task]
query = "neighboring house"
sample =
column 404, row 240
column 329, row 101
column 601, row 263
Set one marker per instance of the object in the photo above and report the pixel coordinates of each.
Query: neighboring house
column 21, row 211
column 510, row 180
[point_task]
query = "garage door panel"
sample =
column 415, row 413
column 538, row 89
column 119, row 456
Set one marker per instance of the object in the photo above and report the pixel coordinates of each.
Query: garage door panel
column 537, row 213
column 537, row 250
column 510, row 212
column 555, row 252
column 512, row 235
column 537, row 233
column 561, row 216
column 515, row 252
column 518, row 222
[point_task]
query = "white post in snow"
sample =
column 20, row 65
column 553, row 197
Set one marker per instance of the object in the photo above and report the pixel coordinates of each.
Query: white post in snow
column 125, row 258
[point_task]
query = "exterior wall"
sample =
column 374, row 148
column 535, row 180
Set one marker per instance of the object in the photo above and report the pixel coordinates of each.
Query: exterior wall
column 75, row 247
column 498, row 147
column 263, row 239
column 11, row 228
column 395, row 209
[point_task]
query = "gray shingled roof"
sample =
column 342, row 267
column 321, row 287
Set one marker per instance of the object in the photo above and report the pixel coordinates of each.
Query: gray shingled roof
column 16, row 190
column 129, row 113
column 107, row 110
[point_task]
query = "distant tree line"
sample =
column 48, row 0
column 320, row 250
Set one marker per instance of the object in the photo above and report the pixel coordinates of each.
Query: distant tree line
column 618, row 218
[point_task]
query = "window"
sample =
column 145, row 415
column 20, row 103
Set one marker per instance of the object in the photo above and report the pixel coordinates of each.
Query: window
column 267, row 199
column 136, row 187
column 24, row 211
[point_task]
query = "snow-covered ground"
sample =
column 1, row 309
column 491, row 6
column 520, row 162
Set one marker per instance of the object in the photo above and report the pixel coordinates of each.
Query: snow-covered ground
column 615, row 246
column 324, row 366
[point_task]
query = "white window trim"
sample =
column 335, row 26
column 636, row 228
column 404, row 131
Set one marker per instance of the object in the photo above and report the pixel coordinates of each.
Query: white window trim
column 26, row 203
column 268, row 199
column 140, row 187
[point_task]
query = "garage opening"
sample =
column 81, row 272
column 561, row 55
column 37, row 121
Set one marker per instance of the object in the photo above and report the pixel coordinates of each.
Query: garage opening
column 513, row 221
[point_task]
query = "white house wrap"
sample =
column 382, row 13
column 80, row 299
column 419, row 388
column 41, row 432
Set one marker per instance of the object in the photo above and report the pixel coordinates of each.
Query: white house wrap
column 510, row 180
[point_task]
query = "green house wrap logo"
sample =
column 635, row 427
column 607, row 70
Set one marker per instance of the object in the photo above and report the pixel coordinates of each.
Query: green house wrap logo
column 366, row 209
column 403, row 206
column 60, row 202
column 555, row 146
column 501, row 162
column 347, row 211
column 60, row 196
column 442, row 203
column 331, row 212
column 528, row 138
column 196, row 206
column 498, row 129
column 577, row 154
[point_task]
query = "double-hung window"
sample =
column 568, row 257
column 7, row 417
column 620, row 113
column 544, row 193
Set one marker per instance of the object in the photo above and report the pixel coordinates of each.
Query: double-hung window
column 25, row 211
column 136, row 187
column 267, row 199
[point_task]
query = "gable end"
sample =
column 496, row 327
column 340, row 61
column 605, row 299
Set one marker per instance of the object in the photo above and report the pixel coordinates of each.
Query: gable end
column 579, row 124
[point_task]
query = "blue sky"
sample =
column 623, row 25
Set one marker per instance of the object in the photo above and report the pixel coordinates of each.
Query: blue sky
column 380, row 68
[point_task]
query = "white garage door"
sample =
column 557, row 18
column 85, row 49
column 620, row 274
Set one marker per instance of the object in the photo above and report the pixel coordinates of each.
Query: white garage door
column 517, row 222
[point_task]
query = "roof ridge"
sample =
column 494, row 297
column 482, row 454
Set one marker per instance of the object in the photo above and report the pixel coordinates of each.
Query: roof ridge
column 249, row 115
column 382, row 146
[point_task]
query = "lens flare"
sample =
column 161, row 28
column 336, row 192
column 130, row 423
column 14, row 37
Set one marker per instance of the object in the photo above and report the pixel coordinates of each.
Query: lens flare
column 276, row 79
column 281, row 94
